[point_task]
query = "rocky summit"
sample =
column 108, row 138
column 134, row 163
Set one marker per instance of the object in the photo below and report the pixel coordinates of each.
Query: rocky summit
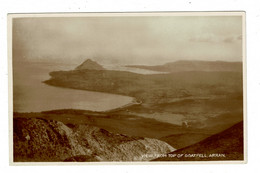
column 89, row 65
column 41, row 140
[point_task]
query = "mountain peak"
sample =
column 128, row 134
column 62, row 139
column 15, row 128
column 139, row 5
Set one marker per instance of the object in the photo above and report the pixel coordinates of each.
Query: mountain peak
column 90, row 65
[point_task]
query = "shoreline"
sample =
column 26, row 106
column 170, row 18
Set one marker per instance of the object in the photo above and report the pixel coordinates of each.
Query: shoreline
column 132, row 103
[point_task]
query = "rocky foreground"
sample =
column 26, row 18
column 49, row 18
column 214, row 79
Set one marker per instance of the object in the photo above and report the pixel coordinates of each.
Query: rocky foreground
column 41, row 140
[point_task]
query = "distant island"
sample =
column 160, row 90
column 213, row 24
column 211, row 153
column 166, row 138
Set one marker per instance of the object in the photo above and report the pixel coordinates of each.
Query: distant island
column 155, row 88
column 90, row 65
column 185, row 65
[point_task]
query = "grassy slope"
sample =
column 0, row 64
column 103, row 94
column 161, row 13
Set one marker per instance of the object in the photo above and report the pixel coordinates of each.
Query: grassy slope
column 122, row 124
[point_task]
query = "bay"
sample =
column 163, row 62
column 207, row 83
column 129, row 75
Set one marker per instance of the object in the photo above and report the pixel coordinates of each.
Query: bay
column 30, row 94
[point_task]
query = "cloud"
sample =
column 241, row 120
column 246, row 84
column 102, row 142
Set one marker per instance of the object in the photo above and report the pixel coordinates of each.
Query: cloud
column 204, row 38
column 239, row 37
column 126, row 39
column 229, row 39
column 211, row 38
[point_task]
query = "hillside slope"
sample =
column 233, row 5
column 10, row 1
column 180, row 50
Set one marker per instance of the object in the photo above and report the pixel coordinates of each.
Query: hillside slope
column 226, row 145
column 48, row 140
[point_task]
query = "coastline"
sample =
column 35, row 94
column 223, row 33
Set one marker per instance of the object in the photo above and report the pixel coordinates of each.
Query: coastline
column 132, row 103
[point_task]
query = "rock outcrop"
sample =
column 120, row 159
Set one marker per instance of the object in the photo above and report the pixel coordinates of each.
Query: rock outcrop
column 43, row 140
column 89, row 65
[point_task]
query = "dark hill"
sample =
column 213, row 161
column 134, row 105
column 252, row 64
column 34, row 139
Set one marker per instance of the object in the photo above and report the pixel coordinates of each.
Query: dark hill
column 229, row 142
column 90, row 65
column 179, row 66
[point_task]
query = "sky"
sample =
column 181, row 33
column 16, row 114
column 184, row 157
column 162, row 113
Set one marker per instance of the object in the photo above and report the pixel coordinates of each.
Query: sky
column 147, row 40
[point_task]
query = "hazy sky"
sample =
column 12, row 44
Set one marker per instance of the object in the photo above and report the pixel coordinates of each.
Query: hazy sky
column 128, row 40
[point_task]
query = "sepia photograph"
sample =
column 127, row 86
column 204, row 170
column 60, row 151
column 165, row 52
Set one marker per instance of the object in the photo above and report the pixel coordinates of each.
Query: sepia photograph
column 164, row 87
